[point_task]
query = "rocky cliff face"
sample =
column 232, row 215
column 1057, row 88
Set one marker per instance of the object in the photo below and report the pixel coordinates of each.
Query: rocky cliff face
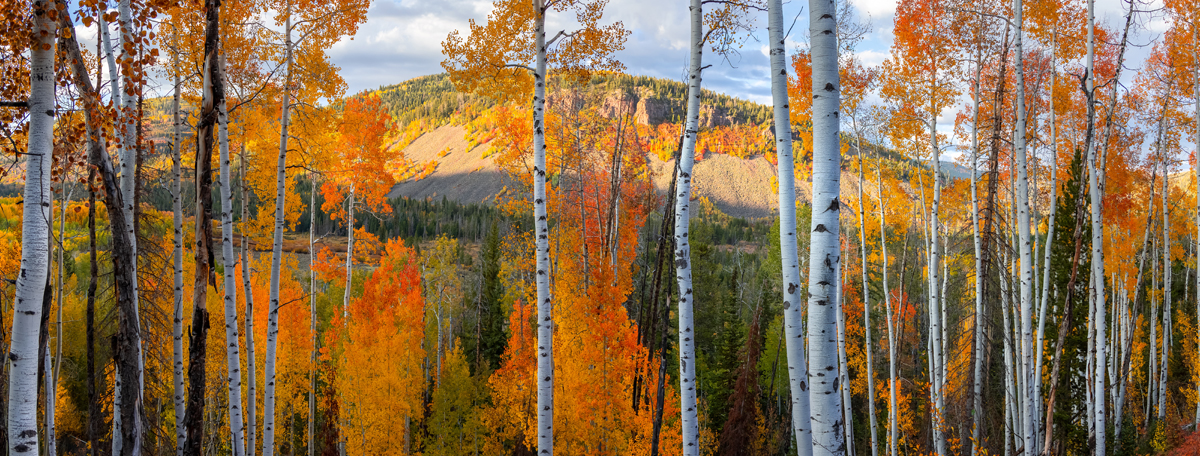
column 645, row 107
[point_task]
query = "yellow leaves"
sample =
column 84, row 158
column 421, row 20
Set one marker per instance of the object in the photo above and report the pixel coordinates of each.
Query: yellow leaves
column 495, row 59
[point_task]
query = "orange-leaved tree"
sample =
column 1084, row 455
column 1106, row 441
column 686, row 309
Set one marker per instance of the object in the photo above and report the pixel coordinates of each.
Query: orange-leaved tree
column 503, row 59
column 360, row 178
column 378, row 354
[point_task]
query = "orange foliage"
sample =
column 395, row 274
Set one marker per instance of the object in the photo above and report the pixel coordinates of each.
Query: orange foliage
column 379, row 356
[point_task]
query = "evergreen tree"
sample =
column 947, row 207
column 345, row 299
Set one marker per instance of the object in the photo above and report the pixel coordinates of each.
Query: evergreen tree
column 1070, row 420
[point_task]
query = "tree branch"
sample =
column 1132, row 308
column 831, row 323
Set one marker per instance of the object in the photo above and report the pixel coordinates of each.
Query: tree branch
column 14, row 104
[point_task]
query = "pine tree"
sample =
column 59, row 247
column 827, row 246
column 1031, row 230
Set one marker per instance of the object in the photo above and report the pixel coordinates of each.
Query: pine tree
column 1070, row 424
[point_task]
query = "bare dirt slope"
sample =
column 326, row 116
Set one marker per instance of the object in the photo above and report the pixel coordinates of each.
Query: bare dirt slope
column 462, row 175
column 738, row 187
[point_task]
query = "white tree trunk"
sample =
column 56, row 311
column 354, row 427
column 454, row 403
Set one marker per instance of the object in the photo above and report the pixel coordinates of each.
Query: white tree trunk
column 349, row 252
column 977, row 352
column 33, row 281
column 824, row 247
column 1166, row 260
column 251, row 370
column 50, row 398
column 115, row 93
column 312, row 309
column 683, row 250
column 1043, row 428
column 1097, row 282
column 128, row 137
column 893, row 409
column 232, row 344
column 937, row 335
column 177, row 223
column 793, row 320
column 1196, row 170
column 545, row 365
column 866, row 299
column 1026, row 380
column 277, row 248
column 843, row 367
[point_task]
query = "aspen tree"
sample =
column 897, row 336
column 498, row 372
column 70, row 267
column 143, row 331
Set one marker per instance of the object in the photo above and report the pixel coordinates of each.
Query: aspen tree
column 1025, row 348
column 504, row 59
column 793, row 320
column 122, row 251
column 825, row 250
column 277, row 240
column 33, row 282
column 689, row 405
column 1097, row 282
column 177, row 255
column 232, row 348
column 213, row 97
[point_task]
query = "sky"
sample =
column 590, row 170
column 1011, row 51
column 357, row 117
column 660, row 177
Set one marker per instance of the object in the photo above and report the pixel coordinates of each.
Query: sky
column 402, row 40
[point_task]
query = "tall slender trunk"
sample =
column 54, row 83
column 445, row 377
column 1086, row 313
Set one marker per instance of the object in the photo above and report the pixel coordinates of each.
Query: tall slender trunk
column 793, row 320
column 277, row 247
column 893, row 407
column 127, row 123
column 312, row 310
column 251, row 370
column 52, row 385
column 936, row 301
column 115, row 93
column 48, row 412
column 1050, row 228
column 214, row 96
column 545, row 365
column 1097, row 282
column 977, row 352
column 1196, row 170
column 1025, row 346
column 34, row 280
column 232, row 344
column 869, row 348
column 122, row 251
column 93, row 425
column 177, row 222
column 683, row 251
column 824, row 248
column 843, row 367
column 349, row 252
column 1166, row 254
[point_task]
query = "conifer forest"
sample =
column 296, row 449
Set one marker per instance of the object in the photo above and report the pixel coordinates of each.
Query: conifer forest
column 211, row 245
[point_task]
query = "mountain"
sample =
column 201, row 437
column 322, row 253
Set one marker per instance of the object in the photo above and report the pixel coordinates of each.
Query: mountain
column 739, row 182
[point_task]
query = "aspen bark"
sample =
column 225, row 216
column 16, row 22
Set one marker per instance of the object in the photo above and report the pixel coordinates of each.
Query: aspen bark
column 683, row 251
column 825, row 250
column 1196, row 170
column 866, row 298
column 312, row 309
column 122, row 252
column 214, row 96
column 232, row 348
column 1025, row 347
column 252, row 373
column 545, row 318
column 277, row 246
column 893, row 409
column 1097, row 282
column 33, row 282
column 177, row 254
column 792, row 317
column 977, row 352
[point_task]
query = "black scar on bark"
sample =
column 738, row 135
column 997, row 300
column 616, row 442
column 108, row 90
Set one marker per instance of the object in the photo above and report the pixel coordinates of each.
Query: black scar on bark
column 821, row 228
column 792, row 288
column 829, row 87
column 833, row 205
